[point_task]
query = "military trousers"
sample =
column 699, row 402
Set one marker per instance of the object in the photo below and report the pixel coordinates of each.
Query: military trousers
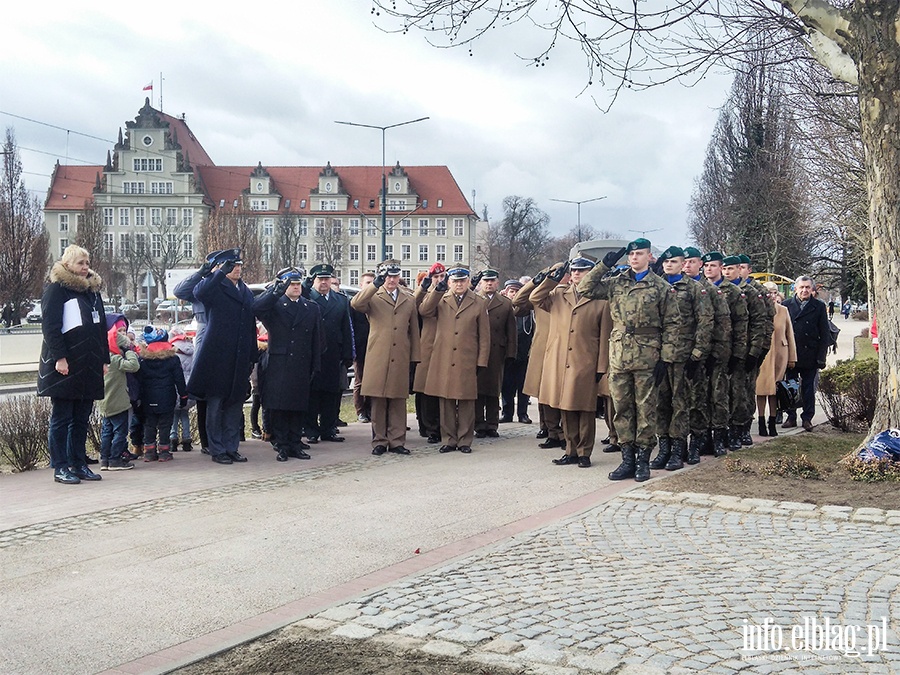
column 673, row 403
column 457, row 421
column 743, row 393
column 699, row 395
column 580, row 428
column 388, row 421
column 609, row 413
column 487, row 413
column 634, row 397
column 719, row 397
column 551, row 421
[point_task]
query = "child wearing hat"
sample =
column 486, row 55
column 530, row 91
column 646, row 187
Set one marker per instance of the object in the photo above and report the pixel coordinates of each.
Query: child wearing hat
column 184, row 350
column 162, row 387
column 116, row 403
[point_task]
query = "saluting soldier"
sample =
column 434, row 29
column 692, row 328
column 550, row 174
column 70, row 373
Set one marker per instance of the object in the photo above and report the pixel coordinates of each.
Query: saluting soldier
column 641, row 349
column 577, row 356
column 692, row 335
column 462, row 345
column 428, row 408
column 393, row 344
column 503, row 349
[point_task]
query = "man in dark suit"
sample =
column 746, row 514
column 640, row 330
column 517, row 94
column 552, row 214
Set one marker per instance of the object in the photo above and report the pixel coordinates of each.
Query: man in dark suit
column 325, row 390
column 812, row 336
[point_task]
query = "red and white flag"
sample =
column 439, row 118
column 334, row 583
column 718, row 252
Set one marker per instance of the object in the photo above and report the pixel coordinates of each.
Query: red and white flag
column 149, row 87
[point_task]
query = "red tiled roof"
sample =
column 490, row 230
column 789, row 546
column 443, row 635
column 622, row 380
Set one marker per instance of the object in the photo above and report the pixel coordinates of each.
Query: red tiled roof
column 72, row 187
column 186, row 139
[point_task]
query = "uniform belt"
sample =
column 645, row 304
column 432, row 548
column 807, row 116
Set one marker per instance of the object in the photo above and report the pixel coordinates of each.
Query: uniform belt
column 642, row 330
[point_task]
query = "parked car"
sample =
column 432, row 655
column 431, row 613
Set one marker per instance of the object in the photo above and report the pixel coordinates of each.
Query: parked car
column 34, row 316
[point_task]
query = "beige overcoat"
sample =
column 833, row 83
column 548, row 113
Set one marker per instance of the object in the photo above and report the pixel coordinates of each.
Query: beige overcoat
column 577, row 346
column 504, row 343
column 521, row 303
column 462, row 343
column 426, row 343
column 393, row 341
column 782, row 352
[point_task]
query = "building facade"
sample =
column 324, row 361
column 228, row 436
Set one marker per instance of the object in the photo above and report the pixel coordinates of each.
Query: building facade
column 160, row 202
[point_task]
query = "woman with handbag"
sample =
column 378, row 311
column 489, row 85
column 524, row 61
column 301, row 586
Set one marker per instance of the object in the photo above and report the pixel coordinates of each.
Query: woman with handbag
column 782, row 356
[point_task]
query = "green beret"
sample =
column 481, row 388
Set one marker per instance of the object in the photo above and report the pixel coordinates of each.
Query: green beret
column 732, row 260
column 672, row 252
column 692, row 252
column 745, row 259
column 711, row 256
column 638, row 243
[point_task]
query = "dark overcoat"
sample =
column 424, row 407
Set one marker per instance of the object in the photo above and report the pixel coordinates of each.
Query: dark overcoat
column 294, row 354
column 73, row 302
column 338, row 340
column 811, row 333
column 504, row 343
column 161, row 378
column 224, row 358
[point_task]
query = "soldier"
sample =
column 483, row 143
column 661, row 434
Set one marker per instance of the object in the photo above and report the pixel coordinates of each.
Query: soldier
column 503, row 349
column 359, row 322
column 577, row 356
column 428, row 408
column 462, row 345
column 513, row 399
column 769, row 318
column 642, row 347
column 393, row 344
column 692, row 333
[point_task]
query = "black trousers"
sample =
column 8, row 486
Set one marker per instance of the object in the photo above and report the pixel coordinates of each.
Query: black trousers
column 809, row 379
column 428, row 413
column 511, row 390
column 322, row 416
column 287, row 428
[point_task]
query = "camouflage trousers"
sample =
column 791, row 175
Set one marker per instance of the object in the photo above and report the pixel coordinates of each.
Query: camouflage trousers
column 634, row 398
column 673, row 403
column 719, row 397
column 699, row 396
column 743, row 396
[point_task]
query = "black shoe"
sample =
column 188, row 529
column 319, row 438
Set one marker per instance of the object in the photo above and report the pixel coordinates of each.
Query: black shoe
column 584, row 462
column 222, row 459
column 340, row 423
column 257, row 434
column 313, row 439
column 127, row 456
column 612, row 447
column 465, row 449
column 91, row 460
column 282, row 456
column 492, row 433
column 302, row 445
column 524, row 419
column 236, row 456
column 551, row 443
column 566, row 460
column 379, row 450
column 447, row 448
column 204, row 451
column 63, row 475
column 789, row 423
column 506, row 419
column 480, row 433
column 434, row 438
column 400, row 450
column 84, row 473
column 299, row 454
column 605, row 440
column 542, row 434
column 186, row 446
column 333, row 438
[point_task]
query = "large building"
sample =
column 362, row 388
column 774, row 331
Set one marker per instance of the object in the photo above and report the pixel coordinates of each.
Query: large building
column 160, row 201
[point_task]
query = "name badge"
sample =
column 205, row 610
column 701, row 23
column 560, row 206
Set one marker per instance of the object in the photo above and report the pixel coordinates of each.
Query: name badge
column 95, row 315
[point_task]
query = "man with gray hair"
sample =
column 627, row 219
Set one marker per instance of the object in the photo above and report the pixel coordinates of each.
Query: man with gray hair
column 813, row 337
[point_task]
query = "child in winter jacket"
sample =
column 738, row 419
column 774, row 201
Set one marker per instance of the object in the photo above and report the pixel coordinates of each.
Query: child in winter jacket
column 184, row 348
column 116, row 404
column 162, row 387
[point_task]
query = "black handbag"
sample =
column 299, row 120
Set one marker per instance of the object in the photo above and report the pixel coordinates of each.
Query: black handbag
column 787, row 393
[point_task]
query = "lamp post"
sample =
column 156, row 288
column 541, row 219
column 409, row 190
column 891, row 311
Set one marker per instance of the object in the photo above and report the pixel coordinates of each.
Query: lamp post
column 579, row 203
column 383, row 171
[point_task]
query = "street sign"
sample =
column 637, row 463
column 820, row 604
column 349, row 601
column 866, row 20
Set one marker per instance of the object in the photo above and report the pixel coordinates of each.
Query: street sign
column 149, row 281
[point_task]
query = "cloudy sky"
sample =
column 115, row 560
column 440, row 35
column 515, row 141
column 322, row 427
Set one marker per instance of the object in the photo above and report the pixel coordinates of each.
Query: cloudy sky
column 267, row 85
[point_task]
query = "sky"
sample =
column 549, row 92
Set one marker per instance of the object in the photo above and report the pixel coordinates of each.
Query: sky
column 268, row 85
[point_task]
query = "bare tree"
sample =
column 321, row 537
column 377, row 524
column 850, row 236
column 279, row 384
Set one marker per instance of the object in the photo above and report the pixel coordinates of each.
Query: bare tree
column 517, row 244
column 165, row 248
column 236, row 227
column 331, row 241
column 24, row 253
column 287, row 242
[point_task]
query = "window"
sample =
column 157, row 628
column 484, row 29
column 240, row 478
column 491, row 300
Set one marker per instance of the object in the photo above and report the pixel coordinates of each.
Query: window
column 389, row 226
column 405, row 275
column 133, row 187
column 423, row 252
column 370, row 252
column 396, row 205
column 140, row 243
column 320, row 251
column 354, row 252
column 147, row 164
column 163, row 187
column 109, row 241
column 267, row 252
column 354, row 227
column 187, row 217
column 140, row 217
column 388, row 251
column 440, row 227
column 63, row 245
column 405, row 227
column 338, row 253
column 124, row 243
column 301, row 253
column 406, row 252
column 188, row 241
column 124, row 216
column 63, row 222
column 171, row 245
column 328, row 205
column 107, row 216
column 423, row 227
column 459, row 227
column 259, row 204
column 156, row 217
column 337, row 225
column 457, row 253
column 354, row 277
column 370, row 228
column 171, row 217
column 303, row 228
column 268, row 227
column 440, row 252
column 320, row 227
column 155, row 245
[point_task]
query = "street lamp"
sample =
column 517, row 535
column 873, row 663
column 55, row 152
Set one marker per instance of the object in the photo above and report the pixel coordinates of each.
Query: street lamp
column 383, row 172
column 643, row 233
column 579, row 202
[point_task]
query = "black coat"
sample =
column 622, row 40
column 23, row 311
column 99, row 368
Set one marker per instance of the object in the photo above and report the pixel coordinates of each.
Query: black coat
column 294, row 354
column 223, row 361
column 84, row 345
column 161, row 378
column 338, row 340
column 811, row 332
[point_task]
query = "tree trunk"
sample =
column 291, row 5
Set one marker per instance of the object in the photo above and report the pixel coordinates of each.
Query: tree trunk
column 874, row 26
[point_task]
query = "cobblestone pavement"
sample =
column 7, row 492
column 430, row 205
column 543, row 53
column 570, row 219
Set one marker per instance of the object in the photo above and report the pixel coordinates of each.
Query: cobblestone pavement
column 657, row 583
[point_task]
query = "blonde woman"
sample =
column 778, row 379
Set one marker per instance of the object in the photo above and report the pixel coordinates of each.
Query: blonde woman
column 782, row 355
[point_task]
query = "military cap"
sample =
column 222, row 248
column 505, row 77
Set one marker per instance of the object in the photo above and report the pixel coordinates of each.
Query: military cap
column 637, row 244
column 225, row 255
column 732, row 260
column 512, row 283
column 458, row 272
column 437, row 268
column 671, row 252
column 745, row 259
column 291, row 275
column 581, row 263
column 692, row 252
column 390, row 267
column 489, row 274
column 712, row 256
column 322, row 271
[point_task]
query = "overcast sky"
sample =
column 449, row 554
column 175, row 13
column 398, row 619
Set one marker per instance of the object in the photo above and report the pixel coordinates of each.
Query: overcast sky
column 265, row 83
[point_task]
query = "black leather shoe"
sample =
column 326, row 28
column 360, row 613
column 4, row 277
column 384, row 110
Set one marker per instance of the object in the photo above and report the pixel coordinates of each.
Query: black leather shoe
column 584, row 462
column 313, row 439
column 506, row 419
column 222, row 459
column 551, row 443
column 333, row 438
column 63, row 475
column 541, row 434
column 492, row 433
column 400, row 450
column 282, row 456
column 566, row 460
column 91, row 460
column 379, row 450
column 612, row 447
column 480, row 433
column 204, row 451
column 237, row 457
column 605, row 440
column 434, row 438
column 299, row 454
column 84, row 473
column 302, row 445
column 465, row 449
column 447, row 448
column 340, row 423
column 524, row 419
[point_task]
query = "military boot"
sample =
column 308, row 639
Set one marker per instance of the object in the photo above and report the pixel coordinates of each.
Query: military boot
column 698, row 442
column 708, row 447
column 662, row 457
column 642, row 465
column 675, row 459
column 626, row 468
column 734, row 438
column 772, row 430
column 746, row 438
column 720, row 439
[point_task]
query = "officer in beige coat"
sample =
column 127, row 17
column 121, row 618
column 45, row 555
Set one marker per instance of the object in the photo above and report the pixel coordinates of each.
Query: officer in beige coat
column 462, row 345
column 393, row 344
column 577, row 356
column 427, row 407
column 504, row 346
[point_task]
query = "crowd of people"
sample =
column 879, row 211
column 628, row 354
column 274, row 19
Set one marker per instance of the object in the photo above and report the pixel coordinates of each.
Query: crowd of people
column 680, row 351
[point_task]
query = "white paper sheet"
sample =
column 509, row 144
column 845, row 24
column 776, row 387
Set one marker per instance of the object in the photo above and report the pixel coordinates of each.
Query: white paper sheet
column 71, row 315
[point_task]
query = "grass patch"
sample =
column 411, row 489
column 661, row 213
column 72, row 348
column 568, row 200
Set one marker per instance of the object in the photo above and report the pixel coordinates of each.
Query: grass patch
column 863, row 348
column 19, row 378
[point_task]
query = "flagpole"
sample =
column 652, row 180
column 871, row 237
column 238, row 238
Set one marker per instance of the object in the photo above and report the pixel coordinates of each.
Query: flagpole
column 160, row 91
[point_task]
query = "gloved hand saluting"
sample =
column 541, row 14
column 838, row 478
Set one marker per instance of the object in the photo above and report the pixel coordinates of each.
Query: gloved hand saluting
column 558, row 274
column 611, row 258
column 426, row 283
column 227, row 266
column 441, row 286
column 206, row 268
column 279, row 287
column 538, row 278
column 657, row 268
column 378, row 281
column 476, row 279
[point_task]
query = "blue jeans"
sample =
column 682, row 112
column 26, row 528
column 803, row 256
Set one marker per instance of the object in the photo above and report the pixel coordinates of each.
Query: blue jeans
column 68, row 431
column 183, row 420
column 114, row 435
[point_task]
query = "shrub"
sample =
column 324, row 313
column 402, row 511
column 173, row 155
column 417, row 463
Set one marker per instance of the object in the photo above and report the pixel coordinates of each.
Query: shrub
column 24, row 421
column 871, row 471
column 849, row 393
column 861, row 315
column 793, row 467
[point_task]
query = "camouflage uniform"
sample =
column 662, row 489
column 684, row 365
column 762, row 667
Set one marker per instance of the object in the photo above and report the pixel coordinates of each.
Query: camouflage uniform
column 759, row 337
column 721, row 399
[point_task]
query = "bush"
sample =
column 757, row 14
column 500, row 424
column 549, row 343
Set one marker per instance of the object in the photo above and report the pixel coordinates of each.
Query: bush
column 24, row 422
column 793, row 467
column 871, row 471
column 849, row 393
column 861, row 315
